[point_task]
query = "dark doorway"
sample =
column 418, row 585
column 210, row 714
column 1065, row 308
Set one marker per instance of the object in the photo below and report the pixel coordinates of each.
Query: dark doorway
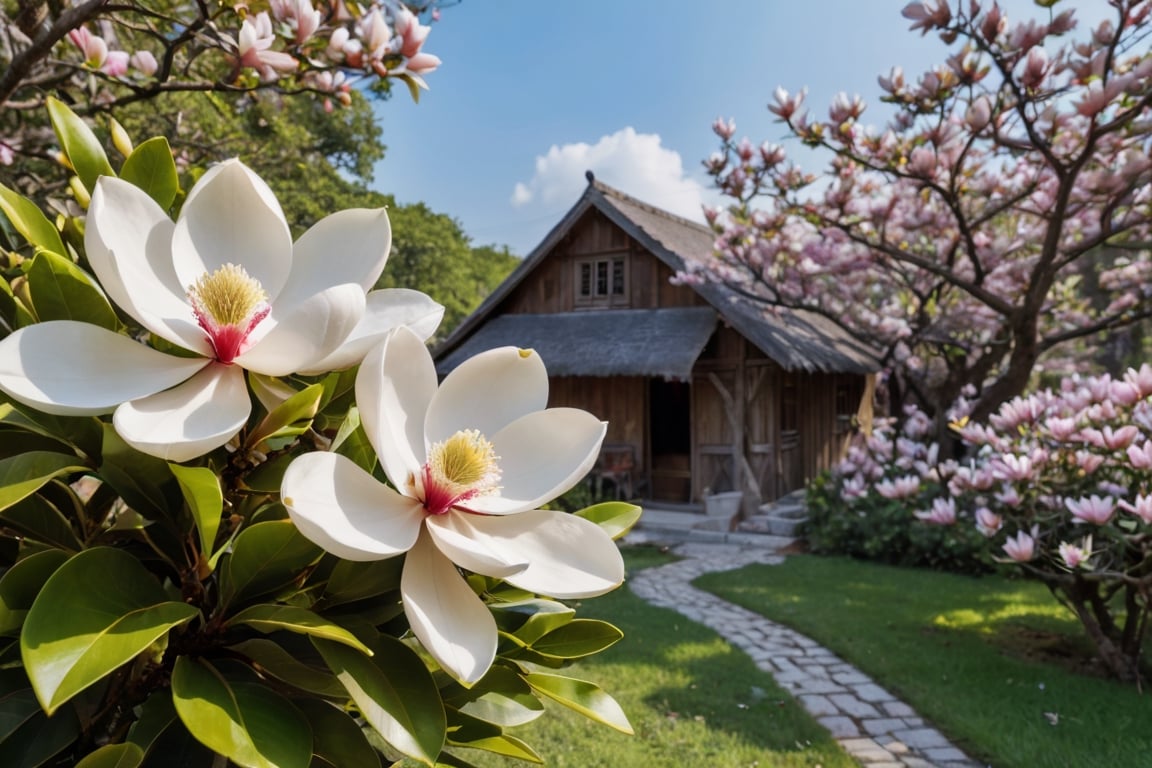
column 670, row 438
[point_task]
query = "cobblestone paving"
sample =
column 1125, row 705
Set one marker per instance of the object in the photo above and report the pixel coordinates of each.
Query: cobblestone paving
column 871, row 724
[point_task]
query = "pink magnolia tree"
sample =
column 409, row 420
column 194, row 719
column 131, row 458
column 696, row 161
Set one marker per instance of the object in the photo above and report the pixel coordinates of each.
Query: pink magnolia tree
column 1001, row 217
column 103, row 55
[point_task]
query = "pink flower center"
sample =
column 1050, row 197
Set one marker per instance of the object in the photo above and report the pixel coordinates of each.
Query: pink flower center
column 228, row 305
column 459, row 468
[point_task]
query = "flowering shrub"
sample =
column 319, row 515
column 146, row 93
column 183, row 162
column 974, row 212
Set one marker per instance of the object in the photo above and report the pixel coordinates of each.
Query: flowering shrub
column 1057, row 483
column 240, row 521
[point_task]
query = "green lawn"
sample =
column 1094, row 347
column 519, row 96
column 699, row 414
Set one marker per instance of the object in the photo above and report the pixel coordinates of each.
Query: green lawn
column 985, row 659
column 692, row 699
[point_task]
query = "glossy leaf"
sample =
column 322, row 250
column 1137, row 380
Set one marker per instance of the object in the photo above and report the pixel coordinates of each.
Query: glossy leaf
column 471, row 732
column 24, row 474
column 272, row 659
column 268, row 477
column 615, row 517
column 80, row 144
column 30, row 222
column 113, row 756
column 40, row 520
column 145, row 482
column 84, row 433
column 20, row 585
column 60, row 290
column 98, row 611
column 337, row 739
column 205, row 499
column 586, row 698
column 351, row 581
column 246, row 722
column 351, row 441
column 578, row 638
column 39, row 738
column 395, row 693
column 530, row 620
column 151, row 168
column 500, row 697
column 290, row 418
column 274, row 618
column 13, row 309
column 267, row 557
column 155, row 715
column 16, row 708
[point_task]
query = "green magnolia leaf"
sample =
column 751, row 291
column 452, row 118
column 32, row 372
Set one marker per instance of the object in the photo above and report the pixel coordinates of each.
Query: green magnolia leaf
column 578, row 638
column 395, row 692
column 267, row 477
column 16, row 708
column 79, row 143
column 12, row 309
column 471, row 732
column 175, row 747
column 156, row 714
column 98, row 611
column 83, row 433
column 586, row 698
column 337, row 740
column 21, row 584
column 23, row 474
column 60, row 290
column 289, row 419
column 38, row 738
column 351, row 581
column 113, row 756
column 202, row 492
column 151, row 168
column 273, row 618
column 530, row 620
column 615, row 517
column 266, row 557
column 38, row 519
column 30, row 222
column 144, row 482
column 246, row 722
column 352, row 442
column 271, row 658
column 500, row 697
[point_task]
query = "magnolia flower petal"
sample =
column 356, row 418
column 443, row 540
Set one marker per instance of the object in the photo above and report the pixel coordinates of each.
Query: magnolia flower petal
column 450, row 621
column 128, row 241
column 232, row 217
column 395, row 383
column 189, row 420
column 360, row 236
column 456, row 537
column 309, row 331
column 346, row 511
column 568, row 556
column 387, row 308
column 542, row 455
column 70, row 368
column 487, row 392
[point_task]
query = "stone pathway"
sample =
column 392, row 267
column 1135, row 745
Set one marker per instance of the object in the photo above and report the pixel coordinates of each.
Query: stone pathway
column 871, row 724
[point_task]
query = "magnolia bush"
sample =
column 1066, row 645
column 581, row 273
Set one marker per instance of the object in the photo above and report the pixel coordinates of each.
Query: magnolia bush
column 241, row 520
column 1057, row 483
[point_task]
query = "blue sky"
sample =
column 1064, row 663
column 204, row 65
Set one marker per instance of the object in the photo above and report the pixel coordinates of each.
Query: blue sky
column 534, row 92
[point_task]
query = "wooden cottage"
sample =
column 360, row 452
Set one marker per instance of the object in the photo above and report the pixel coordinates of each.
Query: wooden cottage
column 704, row 391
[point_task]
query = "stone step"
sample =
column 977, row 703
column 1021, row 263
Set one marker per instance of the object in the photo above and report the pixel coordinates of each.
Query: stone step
column 779, row 509
column 772, row 525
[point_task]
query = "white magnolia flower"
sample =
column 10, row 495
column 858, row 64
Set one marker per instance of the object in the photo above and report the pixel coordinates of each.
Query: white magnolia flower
column 472, row 460
column 224, row 282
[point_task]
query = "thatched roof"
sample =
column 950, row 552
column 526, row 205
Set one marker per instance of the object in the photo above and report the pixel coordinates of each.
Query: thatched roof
column 797, row 340
column 629, row 342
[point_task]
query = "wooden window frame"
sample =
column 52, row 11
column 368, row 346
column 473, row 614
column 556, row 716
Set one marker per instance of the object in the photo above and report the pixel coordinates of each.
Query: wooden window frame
column 601, row 280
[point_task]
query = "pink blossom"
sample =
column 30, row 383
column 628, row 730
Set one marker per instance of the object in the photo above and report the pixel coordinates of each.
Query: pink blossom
column 1074, row 556
column 988, row 523
column 1013, row 468
column 144, row 62
column 1088, row 462
column 900, row 488
column 1141, row 379
column 725, row 129
column 1140, row 456
column 253, row 46
column 1141, row 507
column 1061, row 429
column 943, row 512
column 116, row 64
column 7, row 156
column 93, row 47
column 1022, row 547
column 1092, row 509
column 786, row 104
column 411, row 31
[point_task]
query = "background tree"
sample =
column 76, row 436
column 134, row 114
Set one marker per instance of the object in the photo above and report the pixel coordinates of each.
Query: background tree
column 999, row 218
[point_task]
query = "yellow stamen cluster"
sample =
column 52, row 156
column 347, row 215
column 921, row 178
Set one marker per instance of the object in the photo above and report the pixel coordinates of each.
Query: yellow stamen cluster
column 465, row 462
column 230, row 296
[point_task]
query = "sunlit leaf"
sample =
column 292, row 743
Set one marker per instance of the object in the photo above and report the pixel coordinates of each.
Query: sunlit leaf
column 501, row 697
column 530, row 620
column 272, row 659
column 290, row 418
column 615, row 517
column 30, row 222
column 467, row 731
column 267, row 557
column 151, row 168
column 578, row 638
column 337, row 739
column 246, row 722
column 79, row 143
column 113, row 756
column 395, row 693
column 23, row 474
column 98, row 611
column 586, row 698
column 60, row 290
column 274, row 618
column 205, row 499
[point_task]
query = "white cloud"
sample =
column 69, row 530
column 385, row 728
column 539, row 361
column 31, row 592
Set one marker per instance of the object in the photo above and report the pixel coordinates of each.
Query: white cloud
column 634, row 163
